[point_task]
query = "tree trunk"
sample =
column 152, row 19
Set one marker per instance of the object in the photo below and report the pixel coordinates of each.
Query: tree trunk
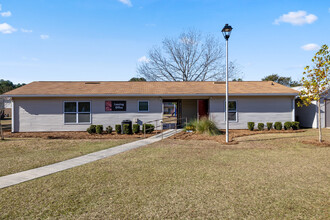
column 319, row 120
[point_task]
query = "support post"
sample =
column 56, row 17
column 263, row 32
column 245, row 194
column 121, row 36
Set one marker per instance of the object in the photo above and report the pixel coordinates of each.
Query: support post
column 294, row 109
column 162, row 130
column 319, row 119
column 1, row 132
column 144, row 129
column 156, row 127
column 227, row 121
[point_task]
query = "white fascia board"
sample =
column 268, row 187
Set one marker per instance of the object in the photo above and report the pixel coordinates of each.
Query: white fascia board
column 149, row 95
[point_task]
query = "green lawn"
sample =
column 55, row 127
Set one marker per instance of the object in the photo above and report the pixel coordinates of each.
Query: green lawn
column 22, row 154
column 271, row 176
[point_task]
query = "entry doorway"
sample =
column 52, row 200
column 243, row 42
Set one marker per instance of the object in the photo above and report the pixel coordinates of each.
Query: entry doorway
column 172, row 112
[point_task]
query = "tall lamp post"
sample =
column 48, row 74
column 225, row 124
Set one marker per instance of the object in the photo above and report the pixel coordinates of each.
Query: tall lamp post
column 226, row 30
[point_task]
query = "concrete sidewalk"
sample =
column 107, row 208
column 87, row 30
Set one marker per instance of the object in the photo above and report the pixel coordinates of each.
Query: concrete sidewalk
column 27, row 175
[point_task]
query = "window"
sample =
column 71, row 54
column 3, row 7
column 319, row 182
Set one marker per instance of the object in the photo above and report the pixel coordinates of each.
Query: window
column 77, row 112
column 143, row 106
column 232, row 110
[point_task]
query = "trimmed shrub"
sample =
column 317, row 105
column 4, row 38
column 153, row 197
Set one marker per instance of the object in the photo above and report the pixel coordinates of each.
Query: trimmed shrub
column 287, row 125
column 127, row 129
column 269, row 125
column 99, row 129
column 295, row 125
column 250, row 126
column 91, row 129
column 118, row 129
column 149, row 128
column 278, row 125
column 136, row 128
column 261, row 126
column 108, row 129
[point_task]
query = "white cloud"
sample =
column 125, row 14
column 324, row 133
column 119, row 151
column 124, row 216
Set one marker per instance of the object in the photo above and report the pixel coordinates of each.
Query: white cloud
column 26, row 30
column 44, row 37
column 294, row 67
column 30, row 59
column 126, row 2
column 296, row 18
column 143, row 59
column 6, row 14
column 6, row 28
column 150, row 25
column 309, row 47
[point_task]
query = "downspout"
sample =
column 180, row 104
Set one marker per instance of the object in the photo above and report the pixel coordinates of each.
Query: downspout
column 12, row 115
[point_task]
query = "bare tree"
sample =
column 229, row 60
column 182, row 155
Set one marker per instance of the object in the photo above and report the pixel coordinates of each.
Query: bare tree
column 190, row 57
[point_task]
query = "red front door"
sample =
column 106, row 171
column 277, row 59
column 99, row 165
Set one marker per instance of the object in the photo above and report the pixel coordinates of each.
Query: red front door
column 203, row 108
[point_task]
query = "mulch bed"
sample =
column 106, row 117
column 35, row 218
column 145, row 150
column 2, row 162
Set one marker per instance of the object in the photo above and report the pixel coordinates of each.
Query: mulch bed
column 181, row 136
column 317, row 143
column 232, row 135
column 74, row 135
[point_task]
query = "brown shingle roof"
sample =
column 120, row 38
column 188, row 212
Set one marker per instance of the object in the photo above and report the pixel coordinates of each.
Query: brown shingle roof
column 56, row 88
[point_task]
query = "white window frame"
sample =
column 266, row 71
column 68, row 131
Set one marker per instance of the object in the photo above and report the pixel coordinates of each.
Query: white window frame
column 224, row 117
column 77, row 113
column 139, row 105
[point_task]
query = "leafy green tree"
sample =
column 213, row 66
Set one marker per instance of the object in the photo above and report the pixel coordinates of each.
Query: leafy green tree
column 6, row 86
column 137, row 79
column 316, row 81
column 286, row 81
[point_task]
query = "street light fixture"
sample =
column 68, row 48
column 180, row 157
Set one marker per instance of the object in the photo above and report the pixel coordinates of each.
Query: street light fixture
column 226, row 31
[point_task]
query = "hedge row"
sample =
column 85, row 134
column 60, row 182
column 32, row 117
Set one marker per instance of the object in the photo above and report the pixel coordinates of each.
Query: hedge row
column 98, row 129
column 277, row 125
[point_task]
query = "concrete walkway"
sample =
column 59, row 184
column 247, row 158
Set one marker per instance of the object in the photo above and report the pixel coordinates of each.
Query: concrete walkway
column 27, row 175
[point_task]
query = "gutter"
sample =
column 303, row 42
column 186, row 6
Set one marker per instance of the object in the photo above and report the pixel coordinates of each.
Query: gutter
column 148, row 95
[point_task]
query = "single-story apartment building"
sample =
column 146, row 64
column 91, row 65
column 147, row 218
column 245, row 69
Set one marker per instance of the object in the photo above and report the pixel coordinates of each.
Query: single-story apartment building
column 74, row 106
column 308, row 115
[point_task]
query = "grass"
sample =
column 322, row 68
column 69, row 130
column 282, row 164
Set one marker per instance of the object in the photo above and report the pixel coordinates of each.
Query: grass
column 272, row 176
column 23, row 154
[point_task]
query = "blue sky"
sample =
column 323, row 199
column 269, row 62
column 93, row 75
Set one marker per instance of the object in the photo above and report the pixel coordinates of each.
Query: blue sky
column 104, row 39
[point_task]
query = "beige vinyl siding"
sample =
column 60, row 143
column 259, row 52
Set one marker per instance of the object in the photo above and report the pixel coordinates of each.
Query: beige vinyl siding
column 47, row 114
column 254, row 109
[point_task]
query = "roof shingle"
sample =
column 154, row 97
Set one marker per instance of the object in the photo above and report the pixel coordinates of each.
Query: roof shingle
column 57, row 88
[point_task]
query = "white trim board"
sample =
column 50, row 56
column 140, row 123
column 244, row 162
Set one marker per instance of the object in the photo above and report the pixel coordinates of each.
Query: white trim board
column 149, row 95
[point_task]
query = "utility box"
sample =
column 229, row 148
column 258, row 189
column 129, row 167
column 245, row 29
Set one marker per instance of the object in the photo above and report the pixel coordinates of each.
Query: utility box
column 126, row 122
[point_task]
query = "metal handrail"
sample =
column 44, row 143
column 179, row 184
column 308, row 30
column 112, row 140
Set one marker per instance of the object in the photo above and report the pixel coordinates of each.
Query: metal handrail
column 161, row 124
